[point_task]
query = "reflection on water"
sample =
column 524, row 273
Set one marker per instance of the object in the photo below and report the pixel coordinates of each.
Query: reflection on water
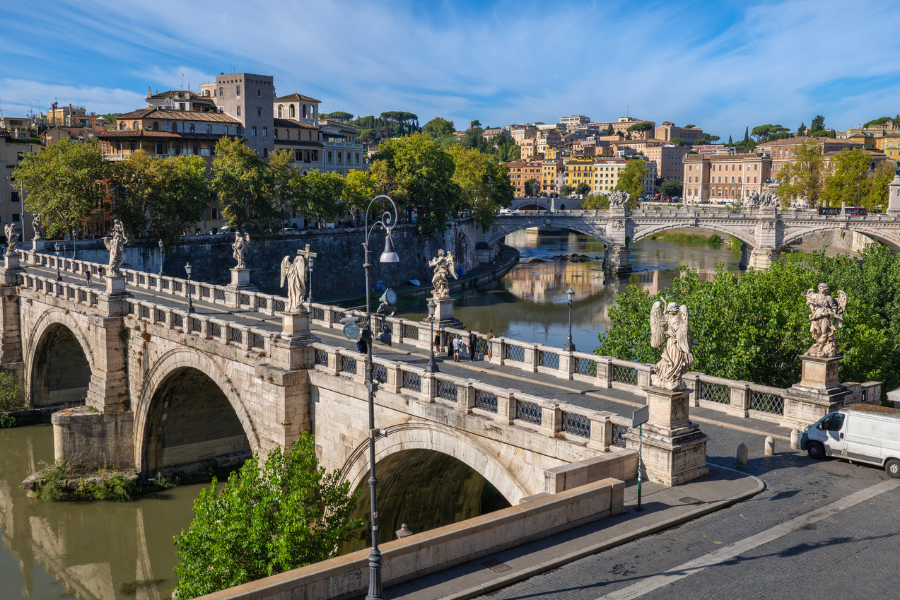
column 84, row 550
column 530, row 304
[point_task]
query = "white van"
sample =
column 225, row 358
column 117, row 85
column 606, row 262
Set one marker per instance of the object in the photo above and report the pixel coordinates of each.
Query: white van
column 863, row 433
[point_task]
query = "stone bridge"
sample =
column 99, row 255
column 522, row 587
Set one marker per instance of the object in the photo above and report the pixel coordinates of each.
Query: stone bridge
column 144, row 384
column 762, row 232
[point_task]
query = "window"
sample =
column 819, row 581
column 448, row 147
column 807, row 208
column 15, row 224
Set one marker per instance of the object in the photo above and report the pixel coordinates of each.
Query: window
column 258, row 111
column 280, row 111
column 239, row 111
column 265, row 132
column 225, row 129
column 315, row 155
column 240, row 130
column 357, row 158
column 16, row 218
column 238, row 90
column 292, row 111
column 298, row 155
column 14, row 196
column 221, row 91
column 209, row 129
column 304, row 111
column 329, row 156
column 196, row 150
column 339, row 157
column 265, row 153
column 174, row 127
column 275, row 133
column 258, row 92
column 122, row 126
column 214, row 214
column 160, row 148
column 132, row 147
column 177, row 149
column 137, row 126
column 253, row 131
column 191, row 128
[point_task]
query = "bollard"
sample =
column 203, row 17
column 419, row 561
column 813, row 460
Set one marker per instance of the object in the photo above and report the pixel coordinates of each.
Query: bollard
column 742, row 455
column 795, row 439
column 770, row 446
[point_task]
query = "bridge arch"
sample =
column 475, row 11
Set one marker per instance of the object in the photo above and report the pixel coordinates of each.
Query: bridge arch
column 58, row 360
column 191, row 388
column 795, row 235
column 648, row 230
column 417, row 435
column 592, row 230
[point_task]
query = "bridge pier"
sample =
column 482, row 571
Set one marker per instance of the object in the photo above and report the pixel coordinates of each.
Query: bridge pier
column 11, row 334
column 617, row 259
column 762, row 258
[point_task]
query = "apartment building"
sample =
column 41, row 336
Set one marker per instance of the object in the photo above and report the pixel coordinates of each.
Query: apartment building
column 73, row 116
column 578, row 170
column 12, row 194
column 520, row 132
column 184, row 100
column 669, row 160
column 668, row 130
column 247, row 97
column 521, row 171
column 573, row 121
column 606, row 175
column 551, row 168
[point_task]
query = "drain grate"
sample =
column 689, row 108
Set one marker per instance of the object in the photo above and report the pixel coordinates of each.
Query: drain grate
column 496, row 566
column 689, row 500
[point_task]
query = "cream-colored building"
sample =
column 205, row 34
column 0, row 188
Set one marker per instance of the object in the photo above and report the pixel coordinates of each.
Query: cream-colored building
column 12, row 194
column 668, row 130
column 607, row 171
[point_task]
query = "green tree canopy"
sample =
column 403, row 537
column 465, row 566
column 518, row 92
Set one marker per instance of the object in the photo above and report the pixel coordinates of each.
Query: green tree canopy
column 483, row 183
column 849, row 181
column 532, row 187
column 595, row 202
column 631, row 180
column 566, row 190
column 65, row 183
column 677, row 140
column 321, row 196
column 610, row 130
column 817, row 124
column 804, row 177
column 802, row 129
column 339, row 115
column 670, row 187
column 285, row 181
column 438, row 128
column 689, row 126
column 582, row 188
column 417, row 174
column 359, row 188
column 642, row 126
column 242, row 180
column 268, row 519
column 161, row 198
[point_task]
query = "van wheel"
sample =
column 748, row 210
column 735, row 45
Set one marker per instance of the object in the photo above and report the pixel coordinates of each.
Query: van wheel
column 893, row 468
column 816, row 450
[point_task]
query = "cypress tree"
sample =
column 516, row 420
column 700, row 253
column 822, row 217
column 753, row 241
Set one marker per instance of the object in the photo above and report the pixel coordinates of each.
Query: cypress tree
column 747, row 134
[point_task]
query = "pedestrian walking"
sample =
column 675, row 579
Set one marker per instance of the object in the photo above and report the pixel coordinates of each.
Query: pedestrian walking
column 437, row 342
column 456, row 344
column 362, row 347
column 490, row 345
column 473, row 340
column 87, row 276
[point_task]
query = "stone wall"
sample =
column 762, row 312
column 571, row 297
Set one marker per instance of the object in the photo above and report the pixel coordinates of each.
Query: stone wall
column 337, row 269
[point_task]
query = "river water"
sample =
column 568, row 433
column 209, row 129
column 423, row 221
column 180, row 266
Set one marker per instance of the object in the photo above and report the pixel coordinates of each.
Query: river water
column 108, row 550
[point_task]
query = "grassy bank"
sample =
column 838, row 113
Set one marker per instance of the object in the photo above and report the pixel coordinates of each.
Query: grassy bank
column 692, row 238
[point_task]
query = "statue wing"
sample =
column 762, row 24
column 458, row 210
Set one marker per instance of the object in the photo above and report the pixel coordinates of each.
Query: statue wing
column 683, row 335
column 285, row 269
column 452, row 265
column 107, row 242
column 657, row 331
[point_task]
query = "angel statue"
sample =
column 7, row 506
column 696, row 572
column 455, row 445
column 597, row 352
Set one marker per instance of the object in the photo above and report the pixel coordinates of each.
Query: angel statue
column 670, row 330
column 12, row 239
column 295, row 275
column 753, row 199
column 37, row 226
column 826, row 312
column 443, row 265
column 240, row 242
column 116, row 246
column 619, row 199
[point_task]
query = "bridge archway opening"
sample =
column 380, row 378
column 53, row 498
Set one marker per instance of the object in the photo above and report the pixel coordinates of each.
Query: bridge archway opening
column 61, row 373
column 424, row 489
column 190, row 420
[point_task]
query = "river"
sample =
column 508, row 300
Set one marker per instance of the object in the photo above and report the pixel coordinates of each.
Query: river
column 108, row 550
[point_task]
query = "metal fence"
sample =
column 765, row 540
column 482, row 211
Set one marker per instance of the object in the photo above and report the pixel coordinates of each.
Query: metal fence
column 486, row 400
column 412, row 381
column 765, row 402
column 585, row 366
column 446, row 390
column 576, row 424
column 715, row 392
column 528, row 412
column 348, row 364
column 548, row 359
column 515, row 353
column 625, row 375
column 321, row 357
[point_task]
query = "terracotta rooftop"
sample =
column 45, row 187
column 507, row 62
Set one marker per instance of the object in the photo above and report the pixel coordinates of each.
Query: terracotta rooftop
column 178, row 115
column 292, row 124
column 295, row 97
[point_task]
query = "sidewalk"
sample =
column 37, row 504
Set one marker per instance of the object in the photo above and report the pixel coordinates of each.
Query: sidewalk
column 663, row 508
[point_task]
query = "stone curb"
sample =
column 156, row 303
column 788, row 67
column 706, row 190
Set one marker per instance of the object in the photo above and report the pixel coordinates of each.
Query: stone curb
column 529, row 572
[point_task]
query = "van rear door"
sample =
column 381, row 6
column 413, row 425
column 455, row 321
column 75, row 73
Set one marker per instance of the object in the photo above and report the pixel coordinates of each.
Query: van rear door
column 864, row 438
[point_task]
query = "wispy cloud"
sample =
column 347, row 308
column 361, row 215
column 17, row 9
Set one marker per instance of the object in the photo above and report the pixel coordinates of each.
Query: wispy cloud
column 723, row 65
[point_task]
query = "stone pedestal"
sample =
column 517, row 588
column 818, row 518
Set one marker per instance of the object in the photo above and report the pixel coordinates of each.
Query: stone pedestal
column 443, row 314
column 240, row 282
column 240, row 278
column 818, row 393
column 115, row 284
column 111, row 302
column 894, row 197
column 94, row 438
column 291, row 350
column 762, row 258
column 673, row 448
column 38, row 245
column 295, row 323
column 11, row 262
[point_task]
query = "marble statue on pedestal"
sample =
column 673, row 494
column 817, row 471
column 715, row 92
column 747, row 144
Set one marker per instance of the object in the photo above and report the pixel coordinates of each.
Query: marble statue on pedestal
column 826, row 312
column 240, row 242
column 670, row 330
column 765, row 199
column 12, row 239
column 444, row 265
column 116, row 246
column 295, row 275
column 37, row 226
column 619, row 199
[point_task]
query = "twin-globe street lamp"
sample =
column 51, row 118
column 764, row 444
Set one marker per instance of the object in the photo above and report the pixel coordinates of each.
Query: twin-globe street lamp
column 569, row 346
column 387, row 222
column 188, row 269
column 431, row 367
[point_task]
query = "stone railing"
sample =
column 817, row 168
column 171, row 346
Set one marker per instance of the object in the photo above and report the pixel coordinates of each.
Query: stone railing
column 59, row 289
column 583, row 426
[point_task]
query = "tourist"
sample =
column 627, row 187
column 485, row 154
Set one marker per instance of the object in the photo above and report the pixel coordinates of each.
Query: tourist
column 473, row 340
column 456, row 344
column 362, row 347
column 490, row 338
column 437, row 342
column 87, row 276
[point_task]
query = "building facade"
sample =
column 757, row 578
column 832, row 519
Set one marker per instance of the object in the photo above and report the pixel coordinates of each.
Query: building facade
column 12, row 194
column 668, row 130
column 248, row 98
column 521, row 171
column 669, row 160
column 607, row 171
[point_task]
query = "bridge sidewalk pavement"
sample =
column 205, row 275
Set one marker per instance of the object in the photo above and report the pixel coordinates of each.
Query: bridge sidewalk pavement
column 663, row 508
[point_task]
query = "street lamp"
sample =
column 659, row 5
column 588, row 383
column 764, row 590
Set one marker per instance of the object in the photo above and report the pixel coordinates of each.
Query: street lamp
column 431, row 367
column 570, row 347
column 309, row 279
column 73, row 245
column 189, row 268
column 160, row 257
column 387, row 222
column 58, row 276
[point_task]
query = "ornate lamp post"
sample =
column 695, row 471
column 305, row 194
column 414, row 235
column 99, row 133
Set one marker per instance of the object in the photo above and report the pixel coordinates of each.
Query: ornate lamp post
column 189, row 268
column 73, row 245
column 309, row 279
column 58, row 276
column 569, row 346
column 431, row 367
column 161, row 255
column 387, row 222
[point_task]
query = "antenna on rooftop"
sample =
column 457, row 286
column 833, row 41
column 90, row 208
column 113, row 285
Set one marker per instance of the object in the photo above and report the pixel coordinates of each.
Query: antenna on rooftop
column 182, row 81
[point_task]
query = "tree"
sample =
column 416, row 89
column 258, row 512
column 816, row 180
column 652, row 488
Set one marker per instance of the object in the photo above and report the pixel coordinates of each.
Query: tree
column 878, row 122
column 849, row 181
column 640, row 128
column 802, row 129
column 566, row 190
column 631, row 180
column 359, row 188
column 415, row 172
column 610, row 130
column 817, row 124
column 689, row 126
column 803, row 178
column 582, row 188
column 242, row 180
column 677, row 140
column 483, row 183
column 475, row 124
column 730, row 141
column 65, row 184
column 532, row 187
column 670, row 187
column 472, row 138
column 879, row 186
column 595, row 202
column 438, row 128
column 747, row 134
column 321, row 196
column 339, row 115
column 159, row 198
column 270, row 518
column 284, row 177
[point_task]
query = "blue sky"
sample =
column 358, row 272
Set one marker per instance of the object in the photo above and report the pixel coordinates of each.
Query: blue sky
column 722, row 65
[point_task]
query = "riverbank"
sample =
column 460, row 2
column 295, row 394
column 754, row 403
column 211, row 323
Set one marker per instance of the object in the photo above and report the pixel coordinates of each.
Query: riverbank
column 31, row 416
column 691, row 238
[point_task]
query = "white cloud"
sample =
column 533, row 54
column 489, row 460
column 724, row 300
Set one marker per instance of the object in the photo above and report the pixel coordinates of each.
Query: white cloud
column 42, row 95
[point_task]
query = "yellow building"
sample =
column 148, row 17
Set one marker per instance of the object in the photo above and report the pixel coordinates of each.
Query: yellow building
column 579, row 171
column 549, row 172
